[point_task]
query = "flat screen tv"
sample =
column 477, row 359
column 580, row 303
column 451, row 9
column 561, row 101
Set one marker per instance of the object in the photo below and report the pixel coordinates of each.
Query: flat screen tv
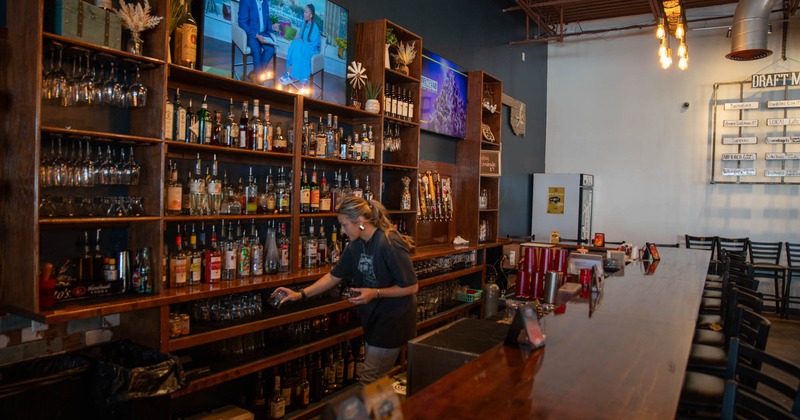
column 444, row 96
column 223, row 43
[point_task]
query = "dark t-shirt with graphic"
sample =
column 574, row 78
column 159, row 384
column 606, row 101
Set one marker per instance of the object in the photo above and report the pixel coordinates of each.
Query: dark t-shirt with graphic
column 381, row 263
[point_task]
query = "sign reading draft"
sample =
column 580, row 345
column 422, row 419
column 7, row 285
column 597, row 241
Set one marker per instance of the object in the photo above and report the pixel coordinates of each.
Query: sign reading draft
column 555, row 200
column 490, row 163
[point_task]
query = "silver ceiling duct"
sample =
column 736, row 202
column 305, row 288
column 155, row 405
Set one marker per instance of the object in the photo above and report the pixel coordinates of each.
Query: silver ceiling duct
column 749, row 30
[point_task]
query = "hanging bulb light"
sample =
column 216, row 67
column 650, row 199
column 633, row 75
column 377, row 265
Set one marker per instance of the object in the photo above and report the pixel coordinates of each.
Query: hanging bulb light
column 666, row 60
column 662, row 49
column 683, row 63
column 682, row 50
column 660, row 33
column 679, row 31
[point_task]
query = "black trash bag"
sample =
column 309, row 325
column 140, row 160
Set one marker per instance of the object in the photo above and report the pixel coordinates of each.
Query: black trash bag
column 25, row 385
column 125, row 371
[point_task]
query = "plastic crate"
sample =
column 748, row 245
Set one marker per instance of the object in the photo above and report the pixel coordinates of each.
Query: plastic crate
column 469, row 297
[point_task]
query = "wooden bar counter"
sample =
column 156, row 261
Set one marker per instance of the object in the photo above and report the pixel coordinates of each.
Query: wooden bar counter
column 626, row 360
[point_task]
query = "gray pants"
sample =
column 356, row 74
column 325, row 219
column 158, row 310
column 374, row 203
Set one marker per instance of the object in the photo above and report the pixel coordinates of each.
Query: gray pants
column 377, row 361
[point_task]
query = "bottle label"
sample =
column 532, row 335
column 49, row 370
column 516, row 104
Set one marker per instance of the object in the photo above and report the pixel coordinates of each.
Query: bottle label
column 284, row 256
column 170, row 118
column 277, row 410
column 325, row 204
column 315, row 199
column 285, row 201
column 214, row 268
column 214, row 188
column 196, row 269
column 174, row 198
column 178, row 267
column 230, row 259
column 196, row 187
column 181, row 125
column 189, row 43
column 271, row 201
column 280, row 143
column 305, row 196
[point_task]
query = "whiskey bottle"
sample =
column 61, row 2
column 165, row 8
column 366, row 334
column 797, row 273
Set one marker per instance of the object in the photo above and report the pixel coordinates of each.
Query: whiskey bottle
column 260, row 408
column 336, row 249
column 324, row 196
column 357, row 191
column 192, row 124
column 305, row 193
column 269, row 144
column 283, row 250
column 322, row 246
column 197, row 191
column 185, row 36
column 284, row 194
column 255, row 129
column 213, row 260
column 368, row 190
column 173, row 193
column 256, row 252
column 244, row 117
column 322, row 140
column 331, row 142
column 277, row 405
column 195, row 273
column 230, row 137
column 314, row 191
column 179, row 118
column 177, row 263
column 217, row 131
column 204, row 123
column 371, row 152
column 169, row 119
column 279, row 143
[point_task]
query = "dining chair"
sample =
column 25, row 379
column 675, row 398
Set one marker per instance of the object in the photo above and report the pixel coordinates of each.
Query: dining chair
column 765, row 258
column 708, row 243
column 792, row 271
column 735, row 296
column 739, row 402
column 746, row 366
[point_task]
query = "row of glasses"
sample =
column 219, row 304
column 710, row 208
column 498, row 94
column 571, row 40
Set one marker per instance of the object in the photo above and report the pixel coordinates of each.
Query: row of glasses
column 94, row 79
column 76, row 206
column 227, row 308
column 391, row 137
column 434, row 299
column 77, row 168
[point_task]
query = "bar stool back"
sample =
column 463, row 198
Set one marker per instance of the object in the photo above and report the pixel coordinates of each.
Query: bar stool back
column 792, row 271
column 708, row 243
column 766, row 258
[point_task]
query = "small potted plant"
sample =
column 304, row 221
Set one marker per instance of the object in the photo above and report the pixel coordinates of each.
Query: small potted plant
column 373, row 91
column 405, row 56
column 391, row 41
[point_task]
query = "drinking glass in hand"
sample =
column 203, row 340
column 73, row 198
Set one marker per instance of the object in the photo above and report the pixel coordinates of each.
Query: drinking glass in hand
column 277, row 298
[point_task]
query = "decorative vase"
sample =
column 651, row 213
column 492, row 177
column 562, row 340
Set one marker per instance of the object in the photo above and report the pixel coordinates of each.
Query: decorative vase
column 402, row 68
column 341, row 52
column 135, row 45
column 373, row 106
column 386, row 62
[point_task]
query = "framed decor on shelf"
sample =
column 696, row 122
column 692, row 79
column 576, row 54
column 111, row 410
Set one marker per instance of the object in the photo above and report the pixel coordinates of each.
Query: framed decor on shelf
column 490, row 163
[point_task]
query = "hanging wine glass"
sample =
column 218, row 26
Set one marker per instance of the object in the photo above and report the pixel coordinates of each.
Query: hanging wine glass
column 110, row 86
column 98, row 173
column 138, row 92
column 124, row 176
column 57, row 79
column 87, row 166
column 58, row 167
column 125, row 94
column 72, row 166
column 87, row 82
column 46, row 165
column 47, row 82
column 97, row 85
column 131, row 169
column 107, row 169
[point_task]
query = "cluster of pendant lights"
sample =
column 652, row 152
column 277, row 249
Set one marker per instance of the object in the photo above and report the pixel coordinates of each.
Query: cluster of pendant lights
column 665, row 51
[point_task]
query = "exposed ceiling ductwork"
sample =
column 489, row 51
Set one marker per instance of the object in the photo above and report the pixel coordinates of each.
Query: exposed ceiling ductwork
column 749, row 30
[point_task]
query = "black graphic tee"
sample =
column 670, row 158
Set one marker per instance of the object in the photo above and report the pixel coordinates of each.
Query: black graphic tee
column 381, row 263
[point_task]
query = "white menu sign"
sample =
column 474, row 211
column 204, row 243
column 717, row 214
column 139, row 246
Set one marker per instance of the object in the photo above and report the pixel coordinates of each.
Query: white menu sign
column 738, row 171
column 794, row 103
column 740, row 123
column 782, row 140
column 782, row 156
column 783, row 121
column 739, row 140
column 782, row 172
column 741, row 105
column 739, row 156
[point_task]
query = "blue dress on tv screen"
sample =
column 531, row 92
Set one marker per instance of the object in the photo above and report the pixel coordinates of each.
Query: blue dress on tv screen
column 301, row 50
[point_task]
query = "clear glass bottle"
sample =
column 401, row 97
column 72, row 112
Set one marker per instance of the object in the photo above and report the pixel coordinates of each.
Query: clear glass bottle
column 229, row 256
column 145, row 272
column 197, row 190
column 483, row 203
column 177, row 263
column 173, row 193
column 256, row 252
column 214, row 189
column 273, row 263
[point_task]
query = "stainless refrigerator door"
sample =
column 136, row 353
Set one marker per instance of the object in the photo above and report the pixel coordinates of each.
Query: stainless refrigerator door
column 550, row 190
column 587, row 196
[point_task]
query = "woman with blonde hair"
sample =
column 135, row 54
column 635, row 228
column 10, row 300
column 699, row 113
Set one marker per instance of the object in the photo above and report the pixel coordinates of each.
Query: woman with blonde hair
column 378, row 260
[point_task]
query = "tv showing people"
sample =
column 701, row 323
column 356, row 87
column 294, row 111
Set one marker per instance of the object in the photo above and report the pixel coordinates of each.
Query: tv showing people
column 444, row 96
column 293, row 45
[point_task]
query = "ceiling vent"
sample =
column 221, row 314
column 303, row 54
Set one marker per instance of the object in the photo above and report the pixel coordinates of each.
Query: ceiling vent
column 749, row 30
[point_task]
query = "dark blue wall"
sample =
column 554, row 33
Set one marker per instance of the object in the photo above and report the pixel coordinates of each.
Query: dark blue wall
column 475, row 35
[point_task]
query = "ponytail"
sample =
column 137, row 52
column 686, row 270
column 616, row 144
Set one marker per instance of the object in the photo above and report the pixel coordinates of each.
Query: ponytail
column 374, row 212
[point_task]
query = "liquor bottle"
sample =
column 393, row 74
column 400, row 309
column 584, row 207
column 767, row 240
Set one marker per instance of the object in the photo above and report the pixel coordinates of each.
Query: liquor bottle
column 336, row 249
column 344, row 147
column 279, row 143
column 97, row 260
column 251, row 194
column 169, row 119
column 371, row 152
column 273, row 259
column 312, row 139
column 255, row 129
column 177, row 263
column 322, row 246
column 229, row 255
column 330, row 373
column 230, row 137
column 269, row 144
column 303, row 388
column 355, row 148
column 311, row 245
column 314, row 191
column 483, row 203
column 288, row 384
column 283, row 249
column 192, row 124
column 213, row 260
column 244, row 117
column 364, row 143
column 172, row 205
column 256, row 252
column 410, row 106
column 305, row 193
column 186, row 201
column 195, row 272
column 394, row 103
column 336, row 191
column 284, row 194
column 204, row 123
column 387, row 100
column 277, row 405
column 214, row 189
column 242, row 253
column 261, row 202
column 179, row 118
column 339, row 364
column 272, row 197
column 367, row 190
column 217, row 131
column 357, row 191
column 145, row 272
column 197, row 190
column 347, row 191
column 260, row 408
column 185, row 37
column 325, row 200
column 86, row 264
column 332, row 141
column 322, row 140
column 350, row 366
column 360, row 361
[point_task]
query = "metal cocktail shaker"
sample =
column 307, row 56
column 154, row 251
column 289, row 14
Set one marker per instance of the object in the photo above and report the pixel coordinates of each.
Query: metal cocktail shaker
column 124, row 269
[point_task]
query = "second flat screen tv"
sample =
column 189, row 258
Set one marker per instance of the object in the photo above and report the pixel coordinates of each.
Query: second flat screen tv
column 444, row 96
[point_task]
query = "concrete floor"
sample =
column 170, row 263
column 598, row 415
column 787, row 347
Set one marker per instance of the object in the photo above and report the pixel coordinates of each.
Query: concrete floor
column 784, row 342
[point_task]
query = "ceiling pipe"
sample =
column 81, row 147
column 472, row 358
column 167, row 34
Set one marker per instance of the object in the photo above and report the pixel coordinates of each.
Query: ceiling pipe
column 749, row 30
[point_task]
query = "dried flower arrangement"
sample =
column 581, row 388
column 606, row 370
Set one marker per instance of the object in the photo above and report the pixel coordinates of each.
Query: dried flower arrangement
column 137, row 18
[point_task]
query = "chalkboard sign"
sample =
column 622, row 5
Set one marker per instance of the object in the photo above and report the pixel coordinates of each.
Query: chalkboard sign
column 490, row 163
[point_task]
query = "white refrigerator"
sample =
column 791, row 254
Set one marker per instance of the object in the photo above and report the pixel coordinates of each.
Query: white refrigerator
column 563, row 203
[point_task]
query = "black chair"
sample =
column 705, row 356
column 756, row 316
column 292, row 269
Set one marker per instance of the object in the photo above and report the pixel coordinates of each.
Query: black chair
column 733, row 245
column 746, row 367
column 739, row 402
column 708, row 243
column 765, row 258
column 735, row 296
column 734, row 268
column 792, row 271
